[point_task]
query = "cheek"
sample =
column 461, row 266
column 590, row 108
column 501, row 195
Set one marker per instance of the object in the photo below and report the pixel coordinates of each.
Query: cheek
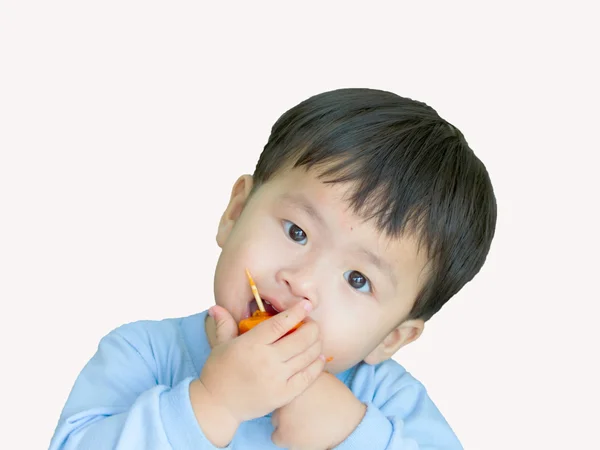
column 348, row 330
column 253, row 245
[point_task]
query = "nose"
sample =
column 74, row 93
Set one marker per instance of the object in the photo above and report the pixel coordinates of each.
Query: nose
column 300, row 282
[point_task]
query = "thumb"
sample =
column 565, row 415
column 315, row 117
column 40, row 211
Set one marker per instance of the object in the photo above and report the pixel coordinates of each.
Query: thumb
column 226, row 326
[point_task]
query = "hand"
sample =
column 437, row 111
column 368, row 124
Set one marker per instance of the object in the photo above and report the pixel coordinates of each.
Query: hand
column 320, row 418
column 253, row 374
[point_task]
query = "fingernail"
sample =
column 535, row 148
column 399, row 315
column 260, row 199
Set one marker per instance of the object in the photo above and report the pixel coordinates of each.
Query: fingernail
column 307, row 305
column 211, row 312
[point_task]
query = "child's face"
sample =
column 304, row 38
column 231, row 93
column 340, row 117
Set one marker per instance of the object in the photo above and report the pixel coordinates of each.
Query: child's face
column 299, row 239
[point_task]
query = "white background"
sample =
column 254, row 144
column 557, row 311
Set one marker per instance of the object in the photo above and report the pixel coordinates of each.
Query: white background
column 124, row 124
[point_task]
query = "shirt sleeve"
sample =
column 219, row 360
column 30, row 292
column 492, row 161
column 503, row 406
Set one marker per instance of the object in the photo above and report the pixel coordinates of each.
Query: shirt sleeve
column 402, row 417
column 117, row 403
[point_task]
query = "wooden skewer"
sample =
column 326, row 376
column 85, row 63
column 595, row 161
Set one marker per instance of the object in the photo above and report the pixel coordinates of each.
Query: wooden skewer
column 255, row 292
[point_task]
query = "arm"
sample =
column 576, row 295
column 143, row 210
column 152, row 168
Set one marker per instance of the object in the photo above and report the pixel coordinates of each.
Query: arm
column 117, row 403
column 402, row 417
column 397, row 416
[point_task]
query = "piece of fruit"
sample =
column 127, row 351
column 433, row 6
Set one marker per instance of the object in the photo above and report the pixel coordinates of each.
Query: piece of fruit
column 253, row 320
column 258, row 317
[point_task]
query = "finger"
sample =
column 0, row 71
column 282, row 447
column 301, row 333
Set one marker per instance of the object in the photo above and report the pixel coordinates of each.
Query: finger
column 226, row 327
column 297, row 342
column 277, row 326
column 304, row 359
column 299, row 382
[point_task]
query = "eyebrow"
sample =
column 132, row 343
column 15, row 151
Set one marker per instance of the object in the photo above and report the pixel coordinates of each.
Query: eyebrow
column 382, row 265
column 300, row 201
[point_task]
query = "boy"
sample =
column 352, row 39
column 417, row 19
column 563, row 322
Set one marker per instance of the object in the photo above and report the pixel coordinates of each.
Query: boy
column 365, row 214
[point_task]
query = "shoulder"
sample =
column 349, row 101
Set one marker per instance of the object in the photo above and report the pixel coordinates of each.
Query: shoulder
column 390, row 384
column 161, row 344
column 399, row 395
column 148, row 332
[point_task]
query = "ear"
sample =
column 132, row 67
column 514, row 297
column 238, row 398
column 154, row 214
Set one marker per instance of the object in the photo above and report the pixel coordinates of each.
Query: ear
column 405, row 333
column 239, row 195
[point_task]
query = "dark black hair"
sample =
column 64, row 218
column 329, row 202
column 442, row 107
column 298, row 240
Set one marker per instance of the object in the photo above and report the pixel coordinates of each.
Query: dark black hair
column 412, row 171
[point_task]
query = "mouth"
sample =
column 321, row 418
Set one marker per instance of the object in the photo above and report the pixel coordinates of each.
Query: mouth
column 253, row 306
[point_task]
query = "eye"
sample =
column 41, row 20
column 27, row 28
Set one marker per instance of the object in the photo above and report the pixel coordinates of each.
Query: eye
column 294, row 232
column 358, row 281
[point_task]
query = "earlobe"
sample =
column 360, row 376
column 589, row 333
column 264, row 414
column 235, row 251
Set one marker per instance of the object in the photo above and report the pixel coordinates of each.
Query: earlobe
column 405, row 333
column 239, row 195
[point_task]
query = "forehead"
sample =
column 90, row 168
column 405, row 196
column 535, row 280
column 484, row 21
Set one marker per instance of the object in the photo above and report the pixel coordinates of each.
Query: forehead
column 302, row 190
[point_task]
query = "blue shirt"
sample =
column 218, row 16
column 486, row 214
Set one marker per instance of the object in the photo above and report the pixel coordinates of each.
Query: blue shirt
column 134, row 394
